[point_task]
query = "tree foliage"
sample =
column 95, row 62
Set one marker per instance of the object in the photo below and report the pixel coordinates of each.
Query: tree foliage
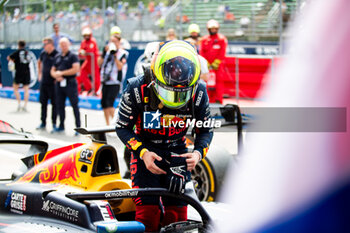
column 35, row 6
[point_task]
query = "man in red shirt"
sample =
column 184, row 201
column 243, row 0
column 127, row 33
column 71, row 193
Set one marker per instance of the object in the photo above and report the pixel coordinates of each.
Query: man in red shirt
column 89, row 51
column 213, row 48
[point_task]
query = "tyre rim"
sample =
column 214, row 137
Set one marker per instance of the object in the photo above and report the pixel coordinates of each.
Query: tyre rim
column 201, row 182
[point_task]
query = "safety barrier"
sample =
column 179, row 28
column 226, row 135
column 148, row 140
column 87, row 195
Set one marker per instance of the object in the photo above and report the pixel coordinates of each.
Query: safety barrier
column 243, row 76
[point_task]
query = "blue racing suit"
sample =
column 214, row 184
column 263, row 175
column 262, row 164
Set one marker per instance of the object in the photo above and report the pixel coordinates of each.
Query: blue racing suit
column 158, row 130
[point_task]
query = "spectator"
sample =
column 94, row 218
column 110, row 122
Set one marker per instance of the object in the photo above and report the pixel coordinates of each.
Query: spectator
column 155, row 150
column 160, row 22
column 57, row 35
column 150, row 7
column 126, row 7
column 16, row 15
column 213, row 48
column 229, row 16
column 140, row 6
column 64, row 70
column 194, row 36
column 115, row 30
column 89, row 51
column 171, row 34
column 193, row 31
column 47, row 82
column 113, row 71
column 244, row 22
column 21, row 60
column 184, row 19
column 220, row 12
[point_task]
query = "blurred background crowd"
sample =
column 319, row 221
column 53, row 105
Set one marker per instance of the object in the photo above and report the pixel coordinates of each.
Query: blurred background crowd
column 253, row 20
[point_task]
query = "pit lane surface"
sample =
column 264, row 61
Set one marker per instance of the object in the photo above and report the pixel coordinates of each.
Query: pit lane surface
column 28, row 121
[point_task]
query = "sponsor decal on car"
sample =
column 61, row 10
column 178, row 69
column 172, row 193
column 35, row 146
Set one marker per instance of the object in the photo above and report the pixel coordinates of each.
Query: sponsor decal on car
column 105, row 209
column 55, row 170
column 121, row 194
column 86, row 156
column 16, row 201
column 59, row 210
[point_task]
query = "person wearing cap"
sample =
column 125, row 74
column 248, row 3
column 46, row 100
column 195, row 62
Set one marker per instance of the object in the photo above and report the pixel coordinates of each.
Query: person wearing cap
column 213, row 48
column 194, row 36
column 113, row 73
column 159, row 104
column 124, row 44
column 115, row 30
column 89, row 51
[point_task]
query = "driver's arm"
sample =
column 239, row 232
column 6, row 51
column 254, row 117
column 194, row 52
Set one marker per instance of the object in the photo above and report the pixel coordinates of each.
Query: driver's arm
column 202, row 112
column 127, row 116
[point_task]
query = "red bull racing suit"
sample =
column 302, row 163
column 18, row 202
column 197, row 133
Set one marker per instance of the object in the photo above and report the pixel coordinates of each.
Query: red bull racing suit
column 160, row 130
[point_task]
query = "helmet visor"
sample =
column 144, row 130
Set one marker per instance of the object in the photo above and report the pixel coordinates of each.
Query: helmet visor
column 178, row 71
column 173, row 97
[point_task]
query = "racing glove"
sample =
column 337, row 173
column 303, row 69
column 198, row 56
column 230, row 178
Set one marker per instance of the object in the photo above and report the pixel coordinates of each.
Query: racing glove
column 82, row 52
column 176, row 176
column 216, row 63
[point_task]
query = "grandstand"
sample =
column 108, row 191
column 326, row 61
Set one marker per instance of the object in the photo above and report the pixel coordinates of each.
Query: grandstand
column 253, row 20
column 253, row 28
column 248, row 20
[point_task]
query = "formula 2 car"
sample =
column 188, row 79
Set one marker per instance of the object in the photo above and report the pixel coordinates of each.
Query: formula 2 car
column 77, row 188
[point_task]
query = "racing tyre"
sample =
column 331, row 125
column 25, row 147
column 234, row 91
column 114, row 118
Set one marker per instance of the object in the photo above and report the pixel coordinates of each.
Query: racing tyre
column 127, row 158
column 208, row 175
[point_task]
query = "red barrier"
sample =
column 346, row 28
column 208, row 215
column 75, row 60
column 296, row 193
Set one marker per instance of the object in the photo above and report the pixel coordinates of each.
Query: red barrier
column 252, row 73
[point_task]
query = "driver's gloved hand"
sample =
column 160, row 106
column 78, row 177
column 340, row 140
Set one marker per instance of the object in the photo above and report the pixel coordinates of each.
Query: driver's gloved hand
column 176, row 176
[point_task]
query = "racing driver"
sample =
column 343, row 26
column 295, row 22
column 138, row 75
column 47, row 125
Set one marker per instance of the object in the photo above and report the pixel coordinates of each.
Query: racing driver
column 159, row 103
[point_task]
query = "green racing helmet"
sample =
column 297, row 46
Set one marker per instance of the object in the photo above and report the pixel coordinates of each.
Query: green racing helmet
column 176, row 70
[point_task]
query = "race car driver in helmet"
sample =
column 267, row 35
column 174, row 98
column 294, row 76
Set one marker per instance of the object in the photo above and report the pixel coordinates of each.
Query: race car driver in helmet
column 160, row 103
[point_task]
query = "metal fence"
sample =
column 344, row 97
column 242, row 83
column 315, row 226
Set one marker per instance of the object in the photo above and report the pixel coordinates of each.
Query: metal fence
column 19, row 22
column 248, row 20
